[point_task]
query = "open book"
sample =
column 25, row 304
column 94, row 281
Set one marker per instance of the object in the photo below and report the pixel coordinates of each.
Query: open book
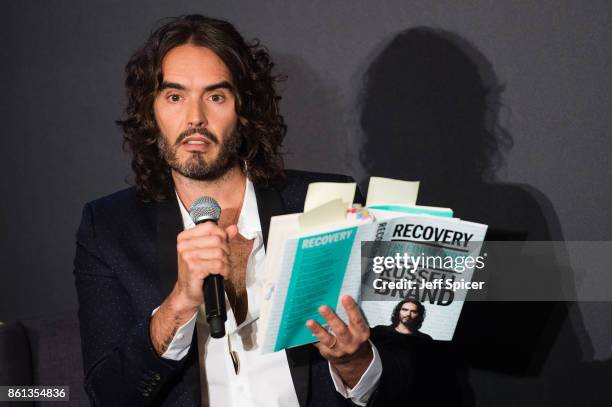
column 379, row 255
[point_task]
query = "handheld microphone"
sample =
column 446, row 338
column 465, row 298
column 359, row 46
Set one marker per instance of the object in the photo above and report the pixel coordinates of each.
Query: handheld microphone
column 206, row 209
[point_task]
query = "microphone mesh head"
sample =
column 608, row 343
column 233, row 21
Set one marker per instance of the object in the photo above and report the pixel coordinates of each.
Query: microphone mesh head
column 203, row 209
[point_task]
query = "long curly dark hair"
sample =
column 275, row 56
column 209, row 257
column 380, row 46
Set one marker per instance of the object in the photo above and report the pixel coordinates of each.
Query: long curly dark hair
column 395, row 318
column 262, row 128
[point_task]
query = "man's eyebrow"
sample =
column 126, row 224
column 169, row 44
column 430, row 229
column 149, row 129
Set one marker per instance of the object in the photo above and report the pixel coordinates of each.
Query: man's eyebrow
column 214, row 86
column 220, row 85
column 171, row 85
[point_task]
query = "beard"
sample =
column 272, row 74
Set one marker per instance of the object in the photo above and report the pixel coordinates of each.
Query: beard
column 409, row 323
column 195, row 166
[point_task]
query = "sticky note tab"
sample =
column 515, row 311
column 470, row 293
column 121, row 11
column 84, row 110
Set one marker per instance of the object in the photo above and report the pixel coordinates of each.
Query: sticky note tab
column 387, row 191
column 330, row 213
column 320, row 193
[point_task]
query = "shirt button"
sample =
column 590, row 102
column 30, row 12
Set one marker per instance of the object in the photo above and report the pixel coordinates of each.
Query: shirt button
column 179, row 336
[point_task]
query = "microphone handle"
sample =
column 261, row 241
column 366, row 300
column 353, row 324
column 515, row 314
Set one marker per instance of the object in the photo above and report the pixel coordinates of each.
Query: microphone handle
column 214, row 301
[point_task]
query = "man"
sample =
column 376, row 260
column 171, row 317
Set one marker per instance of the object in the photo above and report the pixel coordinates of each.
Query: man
column 429, row 368
column 202, row 120
column 407, row 318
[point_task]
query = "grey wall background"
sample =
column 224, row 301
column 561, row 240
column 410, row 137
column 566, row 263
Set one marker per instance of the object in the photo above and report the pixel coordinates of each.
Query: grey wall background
column 62, row 89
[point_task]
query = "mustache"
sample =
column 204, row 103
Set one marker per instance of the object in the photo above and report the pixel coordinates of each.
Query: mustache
column 199, row 130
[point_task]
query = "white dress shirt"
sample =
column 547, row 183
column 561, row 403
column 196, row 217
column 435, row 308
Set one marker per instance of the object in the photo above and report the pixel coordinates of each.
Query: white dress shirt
column 264, row 379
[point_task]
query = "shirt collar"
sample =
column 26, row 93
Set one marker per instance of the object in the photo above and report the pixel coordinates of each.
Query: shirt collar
column 248, row 223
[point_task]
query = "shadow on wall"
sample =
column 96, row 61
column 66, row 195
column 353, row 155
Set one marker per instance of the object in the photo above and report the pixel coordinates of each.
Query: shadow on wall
column 429, row 111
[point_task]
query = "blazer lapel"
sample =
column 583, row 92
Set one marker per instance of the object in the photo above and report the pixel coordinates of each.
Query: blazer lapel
column 299, row 366
column 270, row 203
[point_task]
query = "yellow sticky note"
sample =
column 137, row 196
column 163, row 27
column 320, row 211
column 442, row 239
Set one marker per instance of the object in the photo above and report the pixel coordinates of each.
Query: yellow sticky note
column 330, row 213
column 387, row 191
column 320, row 193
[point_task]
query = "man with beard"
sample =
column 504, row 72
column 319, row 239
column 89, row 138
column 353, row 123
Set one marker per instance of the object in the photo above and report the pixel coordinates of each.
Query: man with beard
column 407, row 318
column 427, row 369
column 202, row 119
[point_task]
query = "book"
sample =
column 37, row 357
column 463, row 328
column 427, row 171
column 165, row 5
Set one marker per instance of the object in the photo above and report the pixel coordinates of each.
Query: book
column 316, row 257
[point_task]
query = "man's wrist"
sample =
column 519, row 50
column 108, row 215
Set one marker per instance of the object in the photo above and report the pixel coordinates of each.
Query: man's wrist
column 174, row 312
column 179, row 306
column 352, row 369
column 361, row 392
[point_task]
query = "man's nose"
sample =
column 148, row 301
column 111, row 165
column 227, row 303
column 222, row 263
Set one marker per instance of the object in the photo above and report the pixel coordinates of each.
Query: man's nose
column 197, row 116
